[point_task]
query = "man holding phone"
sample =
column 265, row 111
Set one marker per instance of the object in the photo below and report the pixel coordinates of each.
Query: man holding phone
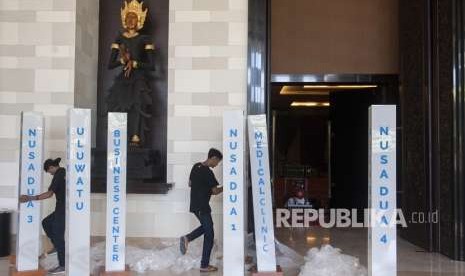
column 203, row 185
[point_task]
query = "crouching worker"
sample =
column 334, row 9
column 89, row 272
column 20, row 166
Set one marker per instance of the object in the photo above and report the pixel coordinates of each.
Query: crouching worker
column 54, row 224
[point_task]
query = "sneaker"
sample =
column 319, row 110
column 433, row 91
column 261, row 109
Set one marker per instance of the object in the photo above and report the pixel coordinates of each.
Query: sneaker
column 57, row 270
column 183, row 245
column 209, row 268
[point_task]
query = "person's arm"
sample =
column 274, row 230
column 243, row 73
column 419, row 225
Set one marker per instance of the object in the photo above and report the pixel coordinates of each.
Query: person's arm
column 42, row 196
column 292, row 201
column 190, row 176
column 217, row 190
column 57, row 181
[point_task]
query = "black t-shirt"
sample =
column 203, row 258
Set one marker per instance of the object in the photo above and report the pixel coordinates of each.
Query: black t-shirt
column 58, row 186
column 202, row 181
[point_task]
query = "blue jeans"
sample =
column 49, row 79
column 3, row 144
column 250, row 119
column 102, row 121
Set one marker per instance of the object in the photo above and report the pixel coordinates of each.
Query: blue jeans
column 54, row 227
column 205, row 229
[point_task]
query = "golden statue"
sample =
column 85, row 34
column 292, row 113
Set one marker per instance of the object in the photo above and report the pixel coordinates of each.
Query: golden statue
column 133, row 54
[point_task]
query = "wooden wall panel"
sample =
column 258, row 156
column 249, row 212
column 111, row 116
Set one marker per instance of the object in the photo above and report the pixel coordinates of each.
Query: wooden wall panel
column 334, row 36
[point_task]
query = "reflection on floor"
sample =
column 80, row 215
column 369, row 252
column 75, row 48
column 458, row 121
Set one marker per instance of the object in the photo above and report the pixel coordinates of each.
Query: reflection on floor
column 412, row 261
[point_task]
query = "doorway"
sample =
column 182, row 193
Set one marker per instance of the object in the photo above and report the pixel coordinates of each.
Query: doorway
column 319, row 135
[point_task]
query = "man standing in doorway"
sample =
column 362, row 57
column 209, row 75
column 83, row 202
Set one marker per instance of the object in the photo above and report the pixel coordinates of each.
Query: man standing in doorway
column 203, row 184
column 54, row 224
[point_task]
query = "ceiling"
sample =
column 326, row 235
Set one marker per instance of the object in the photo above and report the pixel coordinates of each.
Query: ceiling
column 310, row 96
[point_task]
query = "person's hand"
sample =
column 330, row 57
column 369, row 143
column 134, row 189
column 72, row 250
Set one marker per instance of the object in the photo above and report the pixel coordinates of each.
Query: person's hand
column 128, row 69
column 24, row 198
column 217, row 190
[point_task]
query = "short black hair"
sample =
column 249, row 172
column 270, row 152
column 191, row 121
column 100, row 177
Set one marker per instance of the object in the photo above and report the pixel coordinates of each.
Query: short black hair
column 215, row 153
column 50, row 162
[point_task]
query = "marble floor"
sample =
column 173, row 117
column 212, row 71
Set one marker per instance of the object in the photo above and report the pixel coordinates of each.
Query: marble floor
column 412, row 260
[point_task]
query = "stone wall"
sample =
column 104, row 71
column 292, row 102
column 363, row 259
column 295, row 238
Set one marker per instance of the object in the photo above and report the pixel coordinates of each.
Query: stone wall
column 207, row 75
column 37, row 53
column 48, row 63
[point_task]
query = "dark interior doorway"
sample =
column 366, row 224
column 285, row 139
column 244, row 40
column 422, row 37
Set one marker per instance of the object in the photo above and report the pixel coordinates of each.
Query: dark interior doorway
column 319, row 134
column 349, row 150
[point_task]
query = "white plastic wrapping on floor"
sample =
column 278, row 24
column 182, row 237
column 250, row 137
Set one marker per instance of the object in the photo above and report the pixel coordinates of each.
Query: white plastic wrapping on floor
column 164, row 256
column 324, row 261
column 168, row 257
column 329, row 261
column 285, row 256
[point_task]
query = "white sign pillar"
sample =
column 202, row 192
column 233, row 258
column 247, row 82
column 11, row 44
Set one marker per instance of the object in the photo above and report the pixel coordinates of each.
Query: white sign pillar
column 233, row 193
column 382, row 240
column 78, row 193
column 261, row 188
column 30, row 183
column 116, row 192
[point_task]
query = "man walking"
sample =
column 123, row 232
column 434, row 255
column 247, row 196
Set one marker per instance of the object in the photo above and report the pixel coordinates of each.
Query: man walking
column 203, row 184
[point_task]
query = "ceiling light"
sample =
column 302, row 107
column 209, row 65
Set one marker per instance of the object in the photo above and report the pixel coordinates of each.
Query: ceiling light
column 311, row 239
column 337, row 87
column 303, row 92
column 310, row 104
column 321, row 90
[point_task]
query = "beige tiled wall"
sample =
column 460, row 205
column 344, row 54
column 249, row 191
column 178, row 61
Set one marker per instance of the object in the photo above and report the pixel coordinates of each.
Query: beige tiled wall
column 207, row 75
column 37, row 42
column 46, row 65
